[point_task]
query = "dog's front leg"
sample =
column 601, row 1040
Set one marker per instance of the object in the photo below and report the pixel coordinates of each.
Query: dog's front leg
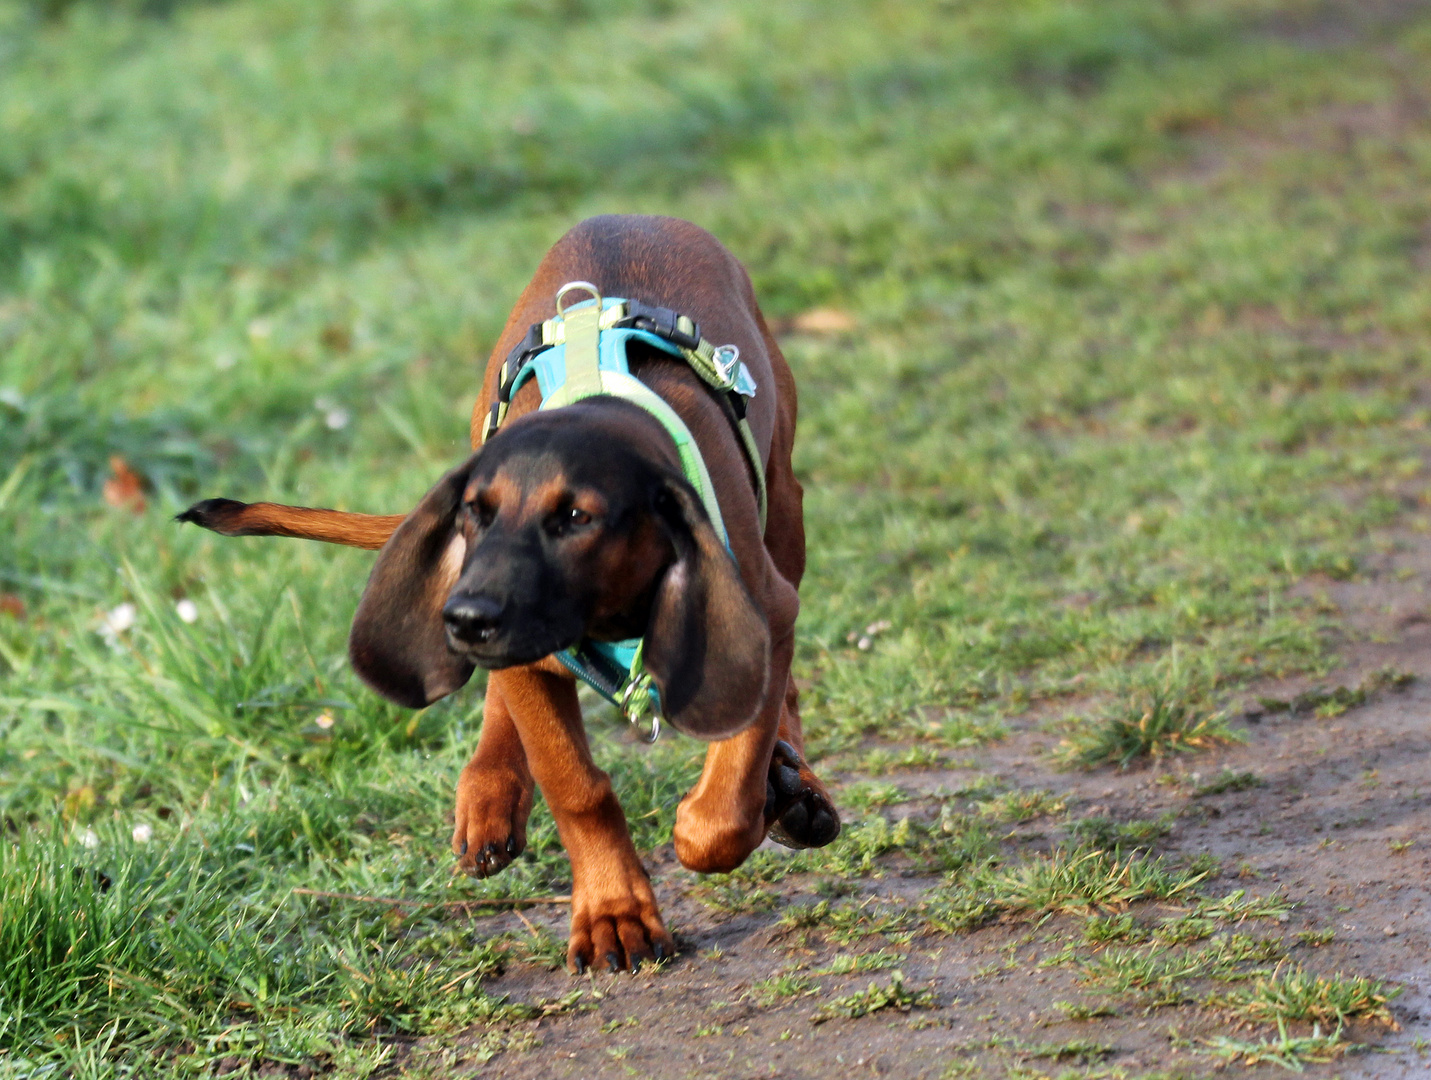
column 615, row 922
column 494, row 795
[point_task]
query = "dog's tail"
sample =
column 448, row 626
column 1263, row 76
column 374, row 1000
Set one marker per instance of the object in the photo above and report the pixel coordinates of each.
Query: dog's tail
column 230, row 518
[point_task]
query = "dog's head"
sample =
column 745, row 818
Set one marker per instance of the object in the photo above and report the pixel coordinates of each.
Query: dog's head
column 567, row 524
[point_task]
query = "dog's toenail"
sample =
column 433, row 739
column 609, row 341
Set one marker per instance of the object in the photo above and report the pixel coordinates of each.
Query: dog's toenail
column 580, row 965
column 464, row 847
column 613, row 961
column 660, row 951
column 511, row 845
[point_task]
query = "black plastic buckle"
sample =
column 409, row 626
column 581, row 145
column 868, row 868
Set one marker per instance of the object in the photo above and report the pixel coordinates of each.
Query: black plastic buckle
column 519, row 357
column 661, row 322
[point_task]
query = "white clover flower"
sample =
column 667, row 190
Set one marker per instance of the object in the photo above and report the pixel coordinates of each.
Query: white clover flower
column 325, row 720
column 89, row 838
column 120, row 619
column 337, row 419
column 187, row 610
column 142, row 833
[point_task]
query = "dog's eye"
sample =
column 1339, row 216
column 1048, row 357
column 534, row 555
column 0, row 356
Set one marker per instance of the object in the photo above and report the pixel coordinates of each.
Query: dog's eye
column 482, row 513
column 563, row 521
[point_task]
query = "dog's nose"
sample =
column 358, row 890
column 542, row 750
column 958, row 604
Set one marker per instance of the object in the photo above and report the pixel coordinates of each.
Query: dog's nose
column 472, row 619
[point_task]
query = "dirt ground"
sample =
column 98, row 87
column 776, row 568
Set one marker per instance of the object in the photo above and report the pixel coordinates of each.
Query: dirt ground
column 1341, row 826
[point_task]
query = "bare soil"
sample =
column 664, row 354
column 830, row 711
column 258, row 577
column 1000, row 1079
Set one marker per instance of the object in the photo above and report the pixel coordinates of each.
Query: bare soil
column 1341, row 825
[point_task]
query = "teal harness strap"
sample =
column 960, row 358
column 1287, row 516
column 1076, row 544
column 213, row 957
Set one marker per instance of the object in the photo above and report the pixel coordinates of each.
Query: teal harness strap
column 582, row 353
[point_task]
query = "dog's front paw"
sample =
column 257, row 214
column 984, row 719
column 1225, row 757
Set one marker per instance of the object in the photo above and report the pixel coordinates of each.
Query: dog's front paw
column 491, row 826
column 615, row 923
column 797, row 806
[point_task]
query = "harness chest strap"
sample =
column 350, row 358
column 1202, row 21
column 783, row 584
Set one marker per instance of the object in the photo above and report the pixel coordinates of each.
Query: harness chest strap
column 582, row 353
column 618, row 322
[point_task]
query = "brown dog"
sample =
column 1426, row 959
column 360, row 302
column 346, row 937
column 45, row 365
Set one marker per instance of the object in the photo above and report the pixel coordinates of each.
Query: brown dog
column 579, row 522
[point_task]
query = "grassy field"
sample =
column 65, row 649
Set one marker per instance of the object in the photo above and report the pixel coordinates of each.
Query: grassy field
column 1100, row 409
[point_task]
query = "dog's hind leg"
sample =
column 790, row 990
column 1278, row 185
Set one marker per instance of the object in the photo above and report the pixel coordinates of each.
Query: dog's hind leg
column 494, row 795
column 758, row 777
column 230, row 518
column 798, row 809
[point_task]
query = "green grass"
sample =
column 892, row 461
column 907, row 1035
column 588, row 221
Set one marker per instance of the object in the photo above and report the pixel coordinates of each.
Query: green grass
column 1134, row 354
column 1104, row 832
column 1287, row 1051
column 1154, row 723
column 1073, row 879
column 875, row 998
column 1228, row 780
column 1305, row 995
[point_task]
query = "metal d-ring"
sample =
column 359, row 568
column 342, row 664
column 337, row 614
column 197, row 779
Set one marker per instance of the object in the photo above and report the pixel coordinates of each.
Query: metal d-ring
column 572, row 286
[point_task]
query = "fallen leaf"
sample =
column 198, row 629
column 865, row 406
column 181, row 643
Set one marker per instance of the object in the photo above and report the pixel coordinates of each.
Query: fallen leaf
column 124, row 490
column 12, row 605
column 823, row 321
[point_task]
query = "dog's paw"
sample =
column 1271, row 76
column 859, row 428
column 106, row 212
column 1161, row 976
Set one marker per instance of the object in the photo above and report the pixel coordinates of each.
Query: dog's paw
column 797, row 806
column 491, row 820
column 616, row 925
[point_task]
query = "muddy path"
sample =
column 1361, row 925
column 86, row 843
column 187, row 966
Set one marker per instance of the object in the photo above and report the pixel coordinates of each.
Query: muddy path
column 1330, row 812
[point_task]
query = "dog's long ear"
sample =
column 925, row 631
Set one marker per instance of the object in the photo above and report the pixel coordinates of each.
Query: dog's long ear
column 398, row 644
column 707, row 645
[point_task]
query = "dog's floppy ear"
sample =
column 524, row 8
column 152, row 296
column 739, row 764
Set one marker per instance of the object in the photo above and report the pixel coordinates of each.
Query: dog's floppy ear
column 398, row 644
column 707, row 644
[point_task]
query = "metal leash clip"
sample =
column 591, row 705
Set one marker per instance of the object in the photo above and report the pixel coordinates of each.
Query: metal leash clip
column 635, row 707
column 726, row 361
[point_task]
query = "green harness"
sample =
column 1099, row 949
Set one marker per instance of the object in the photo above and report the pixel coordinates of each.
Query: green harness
column 582, row 353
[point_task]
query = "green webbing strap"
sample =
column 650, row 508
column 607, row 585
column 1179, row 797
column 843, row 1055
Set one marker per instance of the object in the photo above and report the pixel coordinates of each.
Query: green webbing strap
column 576, row 373
column 716, row 366
column 692, row 463
column 583, row 332
column 585, row 378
